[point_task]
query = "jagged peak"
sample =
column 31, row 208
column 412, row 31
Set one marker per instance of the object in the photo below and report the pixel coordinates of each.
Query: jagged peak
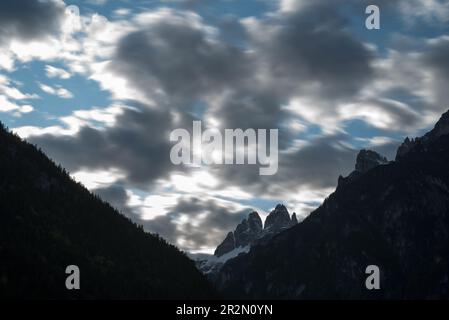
column 368, row 159
column 280, row 206
column 253, row 215
column 277, row 218
column 252, row 229
column 441, row 128
column 445, row 116
column 228, row 244
column 254, row 221
column 294, row 219
column 365, row 161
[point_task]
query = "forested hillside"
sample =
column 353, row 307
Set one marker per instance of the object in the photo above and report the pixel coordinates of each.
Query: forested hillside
column 48, row 221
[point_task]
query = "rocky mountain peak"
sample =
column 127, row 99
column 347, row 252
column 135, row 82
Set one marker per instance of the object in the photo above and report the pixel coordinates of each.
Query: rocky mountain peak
column 419, row 144
column 244, row 234
column 277, row 219
column 368, row 159
column 251, row 229
column 227, row 245
column 441, row 127
column 254, row 222
column 405, row 147
column 365, row 161
column 294, row 219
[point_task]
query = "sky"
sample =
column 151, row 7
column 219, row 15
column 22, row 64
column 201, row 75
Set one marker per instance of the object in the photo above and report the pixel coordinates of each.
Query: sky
column 99, row 85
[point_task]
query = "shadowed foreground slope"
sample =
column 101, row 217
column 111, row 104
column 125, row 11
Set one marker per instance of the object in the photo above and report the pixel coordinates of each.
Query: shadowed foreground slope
column 48, row 221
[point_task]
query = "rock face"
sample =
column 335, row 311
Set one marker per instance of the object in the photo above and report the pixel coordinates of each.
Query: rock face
column 254, row 222
column 420, row 144
column 366, row 160
column 227, row 245
column 277, row 219
column 294, row 219
column 248, row 233
column 394, row 216
column 250, row 230
column 441, row 127
column 405, row 147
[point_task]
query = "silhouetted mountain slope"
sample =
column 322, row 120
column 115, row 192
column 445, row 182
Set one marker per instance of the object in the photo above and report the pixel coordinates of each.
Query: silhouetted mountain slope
column 394, row 215
column 47, row 222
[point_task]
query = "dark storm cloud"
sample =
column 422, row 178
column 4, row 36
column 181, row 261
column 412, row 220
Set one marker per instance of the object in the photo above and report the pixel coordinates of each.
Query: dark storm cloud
column 208, row 222
column 29, row 19
column 316, row 165
column 257, row 108
column 223, row 217
column 190, row 66
column 116, row 196
column 138, row 144
column 312, row 46
column 437, row 57
column 180, row 60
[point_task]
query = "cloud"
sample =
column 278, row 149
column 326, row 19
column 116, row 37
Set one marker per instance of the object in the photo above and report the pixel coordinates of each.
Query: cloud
column 99, row 118
column 97, row 2
column 10, row 91
column 182, row 224
column 28, row 19
column 429, row 11
column 11, row 96
column 312, row 165
column 98, row 179
column 138, row 144
column 191, row 222
column 53, row 72
column 310, row 51
column 117, row 196
column 300, row 69
column 435, row 59
column 8, row 106
column 175, row 56
column 386, row 114
column 56, row 91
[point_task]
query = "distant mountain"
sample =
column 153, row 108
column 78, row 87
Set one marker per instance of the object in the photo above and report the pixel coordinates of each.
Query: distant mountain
column 250, row 230
column 394, row 215
column 247, row 233
column 48, row 221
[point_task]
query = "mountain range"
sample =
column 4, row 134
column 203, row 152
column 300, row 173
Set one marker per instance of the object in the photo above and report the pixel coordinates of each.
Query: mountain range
column 248, row 233
column 390, row 214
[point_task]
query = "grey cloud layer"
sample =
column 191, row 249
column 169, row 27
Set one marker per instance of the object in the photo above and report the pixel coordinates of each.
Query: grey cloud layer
column 312, row 46
column 138, row 144
column 29, row 19
column 178, row 64
column 214, row 219
column 180, row 60
column 206, row 215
